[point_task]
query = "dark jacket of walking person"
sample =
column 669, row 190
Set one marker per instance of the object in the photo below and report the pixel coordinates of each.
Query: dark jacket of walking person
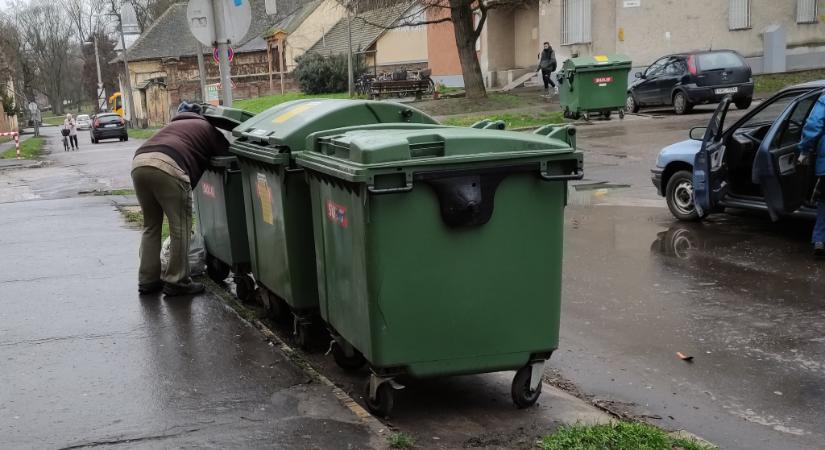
column 547, row 65
column 813, row 143
column 165, row 169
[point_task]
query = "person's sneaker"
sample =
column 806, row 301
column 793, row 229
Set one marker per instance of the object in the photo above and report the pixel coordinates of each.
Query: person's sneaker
column 556, row 90
column 819, row 250
column 191, row 288
column 150, row 288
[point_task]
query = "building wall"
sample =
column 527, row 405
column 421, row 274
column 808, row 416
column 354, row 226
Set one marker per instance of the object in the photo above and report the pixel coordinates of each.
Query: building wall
column 312, row 30
column 525, row 30
column 402, row 45
column 442, row 51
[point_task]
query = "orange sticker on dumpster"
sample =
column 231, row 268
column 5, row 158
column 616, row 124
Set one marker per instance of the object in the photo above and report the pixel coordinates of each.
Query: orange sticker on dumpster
column 265, row 196
column 337, row 214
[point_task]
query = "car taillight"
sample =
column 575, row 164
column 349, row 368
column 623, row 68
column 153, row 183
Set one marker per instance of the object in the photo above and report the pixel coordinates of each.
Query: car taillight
column 692, row 65
column 122, row 122
column 97, row 123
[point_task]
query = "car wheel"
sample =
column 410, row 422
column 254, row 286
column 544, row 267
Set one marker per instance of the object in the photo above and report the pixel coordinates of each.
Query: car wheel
column 744, row 103
column 125, row 138
column 681, row 105
column 630, row 104
column 679, row 196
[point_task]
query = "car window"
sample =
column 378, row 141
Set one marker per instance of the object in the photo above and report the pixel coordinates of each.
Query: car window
column 719, row 60
column 770, row 110
column 677, row 67
column 82, row 117
column 109, row 119
column 656, row 68
column 791, row 133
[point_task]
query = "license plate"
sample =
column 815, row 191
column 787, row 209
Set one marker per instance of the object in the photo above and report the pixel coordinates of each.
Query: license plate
column 721, row 91
column 110, row 125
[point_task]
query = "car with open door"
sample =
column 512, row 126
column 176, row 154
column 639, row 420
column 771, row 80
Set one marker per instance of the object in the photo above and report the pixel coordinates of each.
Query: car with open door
column 748, row 165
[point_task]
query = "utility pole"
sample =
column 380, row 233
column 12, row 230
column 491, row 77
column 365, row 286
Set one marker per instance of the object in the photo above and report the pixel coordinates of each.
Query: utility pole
column 130, row 101
column 350, row 74
column 101, row 94
column 222, row 44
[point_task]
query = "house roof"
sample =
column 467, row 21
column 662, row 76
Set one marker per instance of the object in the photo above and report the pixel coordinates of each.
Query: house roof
column 293, row 19
column 169, row 35
column 367, row 27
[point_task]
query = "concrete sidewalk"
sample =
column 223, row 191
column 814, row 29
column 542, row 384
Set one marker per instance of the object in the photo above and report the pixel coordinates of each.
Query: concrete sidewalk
column 87, row 362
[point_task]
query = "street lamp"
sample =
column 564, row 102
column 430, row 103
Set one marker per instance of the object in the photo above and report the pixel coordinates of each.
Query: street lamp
column 101, row 93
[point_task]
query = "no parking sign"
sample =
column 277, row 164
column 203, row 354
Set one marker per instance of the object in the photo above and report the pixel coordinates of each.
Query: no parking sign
column 216, row 57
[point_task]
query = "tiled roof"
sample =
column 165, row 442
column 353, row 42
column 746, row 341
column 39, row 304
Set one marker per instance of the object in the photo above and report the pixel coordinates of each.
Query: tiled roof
column 367, row 27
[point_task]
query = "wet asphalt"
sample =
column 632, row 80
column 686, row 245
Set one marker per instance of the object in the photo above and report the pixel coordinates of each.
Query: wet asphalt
column 86, row 362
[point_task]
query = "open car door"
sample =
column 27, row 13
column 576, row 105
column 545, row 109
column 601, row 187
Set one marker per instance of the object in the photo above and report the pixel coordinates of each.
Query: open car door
column 784, row 183
column 709, row 171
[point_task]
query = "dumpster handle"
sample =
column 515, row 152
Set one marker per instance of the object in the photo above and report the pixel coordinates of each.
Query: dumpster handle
column 577, row 175
column 291, row 170
column 406, row 188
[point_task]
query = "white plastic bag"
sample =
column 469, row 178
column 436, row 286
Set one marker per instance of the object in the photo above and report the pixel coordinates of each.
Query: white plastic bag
column 197, row 254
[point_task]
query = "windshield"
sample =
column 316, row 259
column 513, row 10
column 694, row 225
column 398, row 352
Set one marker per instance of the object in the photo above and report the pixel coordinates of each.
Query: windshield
column 109, row 119
column 83, row 117
column 719, row 60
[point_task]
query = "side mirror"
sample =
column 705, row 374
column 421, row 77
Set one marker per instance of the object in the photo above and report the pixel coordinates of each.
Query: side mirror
column 640, row 75
column 698, row 133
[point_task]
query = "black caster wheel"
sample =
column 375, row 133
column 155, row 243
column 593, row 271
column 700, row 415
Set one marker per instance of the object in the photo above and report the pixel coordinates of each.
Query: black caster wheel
column 216, row 269
column 276, row 309
column 348, row 363
column 302, row 334
column 586, row 116
column 621, row 114
column 523, row 397
column 384, row 399
column 245, row 288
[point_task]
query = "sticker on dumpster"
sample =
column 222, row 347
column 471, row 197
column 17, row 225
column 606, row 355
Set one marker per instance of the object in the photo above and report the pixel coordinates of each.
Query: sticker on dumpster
column 207, row 189
column 337, row 214
column 601, row 59
column 602, row 81
column 294, row 111
column 265, row 196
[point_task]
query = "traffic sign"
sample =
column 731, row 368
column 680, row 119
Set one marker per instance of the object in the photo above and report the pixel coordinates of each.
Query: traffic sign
column 237, row 16
column 216, row 55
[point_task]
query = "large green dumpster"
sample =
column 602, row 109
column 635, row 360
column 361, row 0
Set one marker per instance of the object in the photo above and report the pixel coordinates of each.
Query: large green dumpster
column 219, row 208
column 279, row 220
column 593, row 84
column 439, row 250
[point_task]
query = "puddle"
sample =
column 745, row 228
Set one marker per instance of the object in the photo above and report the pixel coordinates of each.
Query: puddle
column 588, row 194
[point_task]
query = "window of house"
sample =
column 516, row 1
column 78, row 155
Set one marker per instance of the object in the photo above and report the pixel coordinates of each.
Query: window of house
column 739, row 15
column 806, row 11
column 575, row 22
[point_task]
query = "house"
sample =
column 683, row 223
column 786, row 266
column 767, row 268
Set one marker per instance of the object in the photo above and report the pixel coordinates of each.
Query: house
column 296, row 33
column 163, row 63
column 380, row 38
column 642, row 29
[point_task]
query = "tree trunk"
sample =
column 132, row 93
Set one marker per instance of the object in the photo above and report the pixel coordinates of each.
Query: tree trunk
column 465, row 40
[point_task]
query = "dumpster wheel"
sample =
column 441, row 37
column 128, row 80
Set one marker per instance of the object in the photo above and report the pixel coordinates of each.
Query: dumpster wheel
column 524, row 396
column 347, row 362
column 216, row 269
column 245, row 288
column 384, row 399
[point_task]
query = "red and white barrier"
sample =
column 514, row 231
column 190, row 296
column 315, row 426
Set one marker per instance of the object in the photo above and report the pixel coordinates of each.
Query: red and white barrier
column 16, row 140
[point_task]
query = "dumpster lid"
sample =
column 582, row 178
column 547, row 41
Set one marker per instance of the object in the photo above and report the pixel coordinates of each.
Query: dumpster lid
column 288, row 124
column 225, row 118
column 600, row 61
column 363, row 155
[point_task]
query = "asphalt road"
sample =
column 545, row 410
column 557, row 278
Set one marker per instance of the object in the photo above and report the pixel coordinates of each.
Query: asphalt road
column 740, row 294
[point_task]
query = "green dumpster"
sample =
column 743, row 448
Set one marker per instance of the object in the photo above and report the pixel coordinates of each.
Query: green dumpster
column 219, row 209
column 439, row 250
column 593, row 85
column 279, row 219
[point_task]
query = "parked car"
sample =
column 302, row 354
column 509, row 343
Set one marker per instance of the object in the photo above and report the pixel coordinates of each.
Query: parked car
column 687, row 79
column 749, row 165
column 108, row 126
column 84, row 122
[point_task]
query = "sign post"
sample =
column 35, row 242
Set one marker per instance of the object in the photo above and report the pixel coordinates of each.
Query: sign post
column 219, row 23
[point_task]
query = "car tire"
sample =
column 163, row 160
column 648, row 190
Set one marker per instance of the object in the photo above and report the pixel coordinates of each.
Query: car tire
column 679, row 196
column 125, row 138
column 744, row 103
column 631, row 105
column 681, row 104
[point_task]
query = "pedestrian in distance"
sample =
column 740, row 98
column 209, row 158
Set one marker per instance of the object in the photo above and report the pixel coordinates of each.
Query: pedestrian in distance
column 165, row 169
column 547, row 65
column 812, row 143
column 64, row 131
column 70, row 124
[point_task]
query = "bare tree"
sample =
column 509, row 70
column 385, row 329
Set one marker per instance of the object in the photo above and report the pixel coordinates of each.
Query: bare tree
column 468, row 18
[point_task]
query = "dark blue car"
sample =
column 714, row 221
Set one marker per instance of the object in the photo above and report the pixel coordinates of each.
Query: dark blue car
column 749, row 165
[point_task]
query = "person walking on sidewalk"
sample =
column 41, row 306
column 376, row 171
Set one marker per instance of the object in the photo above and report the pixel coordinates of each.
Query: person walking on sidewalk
column 547, row 65
column 813, row 142
column 165, row 169
column 70, row 124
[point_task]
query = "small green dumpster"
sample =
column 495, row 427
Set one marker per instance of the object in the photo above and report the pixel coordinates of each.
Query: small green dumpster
column 593, row 85
column 439, row 250
column 278, row 213
column 219, row 208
